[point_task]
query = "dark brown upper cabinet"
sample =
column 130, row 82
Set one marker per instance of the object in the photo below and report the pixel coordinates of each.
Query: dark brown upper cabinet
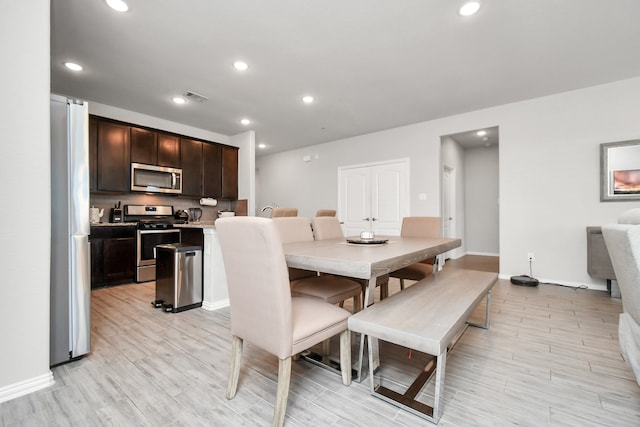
column 191, row 164
column 144, row 146
column 168, row 150
column 155, row 148
column 212, row 170
column 113, row 157
column 93, row 153
column 230, row 173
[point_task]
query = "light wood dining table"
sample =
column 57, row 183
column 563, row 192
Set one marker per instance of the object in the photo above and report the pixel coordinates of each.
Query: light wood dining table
column 364, row 261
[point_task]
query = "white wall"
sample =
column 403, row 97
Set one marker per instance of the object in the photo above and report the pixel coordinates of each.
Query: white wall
column 549, row 172
column 246, row 167
column 25, row 223
column 481, row 200
column 287, row 180
column 453, row 157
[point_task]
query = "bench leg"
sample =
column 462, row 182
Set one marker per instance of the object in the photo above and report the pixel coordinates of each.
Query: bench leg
column 407, row 400
column 487, row 315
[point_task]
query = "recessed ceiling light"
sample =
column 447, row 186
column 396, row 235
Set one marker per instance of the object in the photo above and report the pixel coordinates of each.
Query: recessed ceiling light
column 481, row 133
column 245, row 122
column 179, row 100
column 469, row 8
column 262, row 145
column 118, row 5
column 240, row 65
column 307, row 99
column 73, row 66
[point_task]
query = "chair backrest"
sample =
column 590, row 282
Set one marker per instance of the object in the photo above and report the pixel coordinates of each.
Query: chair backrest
column 280, row 212
column 293, row 229
column 421, row 226
column 326, row 227
column 623, row 245
column 258, row 281
column 326, row 212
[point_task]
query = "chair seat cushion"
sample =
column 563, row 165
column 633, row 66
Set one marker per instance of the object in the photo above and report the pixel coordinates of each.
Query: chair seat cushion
column 332, row 289
column 417, row 271
column 315, row 321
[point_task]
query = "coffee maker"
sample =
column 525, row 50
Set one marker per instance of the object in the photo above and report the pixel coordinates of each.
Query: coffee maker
column 116, row 214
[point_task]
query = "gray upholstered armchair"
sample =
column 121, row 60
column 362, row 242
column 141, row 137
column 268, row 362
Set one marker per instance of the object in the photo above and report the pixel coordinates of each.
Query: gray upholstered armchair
column 623, row 244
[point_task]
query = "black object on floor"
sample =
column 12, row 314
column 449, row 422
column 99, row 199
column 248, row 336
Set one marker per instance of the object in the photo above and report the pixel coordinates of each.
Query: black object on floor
column 524, row 281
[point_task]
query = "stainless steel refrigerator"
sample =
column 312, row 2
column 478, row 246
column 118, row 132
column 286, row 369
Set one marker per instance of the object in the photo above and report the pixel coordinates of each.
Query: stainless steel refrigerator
column 70, row 253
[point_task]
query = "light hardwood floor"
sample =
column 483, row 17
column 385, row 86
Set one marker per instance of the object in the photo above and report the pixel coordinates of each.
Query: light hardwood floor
column 551, row 357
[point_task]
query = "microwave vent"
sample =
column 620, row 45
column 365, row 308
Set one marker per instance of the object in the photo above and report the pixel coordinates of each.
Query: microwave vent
column 195, row 97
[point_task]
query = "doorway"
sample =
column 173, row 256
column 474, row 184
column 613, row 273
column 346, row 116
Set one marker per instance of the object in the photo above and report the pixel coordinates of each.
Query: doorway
column 470, row 190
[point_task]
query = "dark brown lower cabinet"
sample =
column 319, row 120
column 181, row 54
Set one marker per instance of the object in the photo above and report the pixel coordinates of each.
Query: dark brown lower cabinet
column 192, row 236
column 113, row 255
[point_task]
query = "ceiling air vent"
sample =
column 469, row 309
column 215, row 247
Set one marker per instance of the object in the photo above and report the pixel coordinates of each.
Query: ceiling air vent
column 196, row 97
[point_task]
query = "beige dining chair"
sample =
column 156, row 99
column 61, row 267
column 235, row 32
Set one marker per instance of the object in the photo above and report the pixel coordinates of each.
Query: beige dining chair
column 280, row 212
column 329, row 288
column 326, row 212
column 418, row 226
column 325, row 227
column 264, row 313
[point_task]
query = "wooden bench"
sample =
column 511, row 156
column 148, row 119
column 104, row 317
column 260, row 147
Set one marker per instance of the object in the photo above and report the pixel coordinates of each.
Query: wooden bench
column 425, row 317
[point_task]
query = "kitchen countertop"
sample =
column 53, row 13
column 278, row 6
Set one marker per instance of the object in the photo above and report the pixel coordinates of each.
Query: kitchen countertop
column 201, row 224
column 115, row 224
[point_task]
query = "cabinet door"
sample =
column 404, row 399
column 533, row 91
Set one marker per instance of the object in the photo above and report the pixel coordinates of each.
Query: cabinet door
column 212, row 170
column 93, row 154
column 113, row 157
column 144, row 146
column 97, row 256
column 229, row 173
column 168, row 150
column 119, row 259
column 191, row 164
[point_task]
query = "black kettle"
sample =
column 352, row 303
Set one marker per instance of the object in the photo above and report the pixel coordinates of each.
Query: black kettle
column 181, row 215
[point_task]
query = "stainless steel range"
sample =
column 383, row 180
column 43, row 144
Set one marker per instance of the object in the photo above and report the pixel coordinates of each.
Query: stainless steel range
column 155, row 227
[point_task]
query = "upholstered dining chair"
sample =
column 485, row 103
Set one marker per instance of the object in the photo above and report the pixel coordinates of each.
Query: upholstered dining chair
column 264, row 313
column 418, row 226
column 623, row 245
column 326, row 212
column 329, row 288
column 280, row 212
column 326, row 227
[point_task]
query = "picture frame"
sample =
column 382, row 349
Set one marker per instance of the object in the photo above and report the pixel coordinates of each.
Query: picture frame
column 620, row 171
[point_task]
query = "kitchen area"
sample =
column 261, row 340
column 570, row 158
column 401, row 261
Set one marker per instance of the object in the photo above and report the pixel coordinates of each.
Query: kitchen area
column 149, row 187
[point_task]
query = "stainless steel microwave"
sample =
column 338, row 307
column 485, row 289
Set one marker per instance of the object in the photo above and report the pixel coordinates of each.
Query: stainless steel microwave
column 155, row 179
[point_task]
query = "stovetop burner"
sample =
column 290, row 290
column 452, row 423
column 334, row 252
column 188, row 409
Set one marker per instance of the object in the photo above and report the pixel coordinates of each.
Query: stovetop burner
column 150, row 217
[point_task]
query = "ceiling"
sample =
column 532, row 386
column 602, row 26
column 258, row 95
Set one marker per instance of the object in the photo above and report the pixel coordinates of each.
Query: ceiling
column 370, row 64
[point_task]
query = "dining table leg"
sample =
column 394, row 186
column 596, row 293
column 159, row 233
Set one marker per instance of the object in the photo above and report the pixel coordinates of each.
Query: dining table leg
column 360, row 373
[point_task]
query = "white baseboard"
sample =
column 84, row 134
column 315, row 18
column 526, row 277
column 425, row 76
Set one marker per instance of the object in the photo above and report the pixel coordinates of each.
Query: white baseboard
column 482, row 253
column 215, row 306
column 25, row 387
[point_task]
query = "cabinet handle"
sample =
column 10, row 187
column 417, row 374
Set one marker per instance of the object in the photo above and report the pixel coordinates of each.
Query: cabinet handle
column 366, row 219
column 374, row 219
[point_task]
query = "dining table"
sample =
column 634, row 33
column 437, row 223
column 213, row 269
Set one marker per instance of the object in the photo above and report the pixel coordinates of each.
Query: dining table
column 364, row 259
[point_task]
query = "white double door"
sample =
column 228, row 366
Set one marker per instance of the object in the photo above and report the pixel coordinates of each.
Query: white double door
column 373, row 197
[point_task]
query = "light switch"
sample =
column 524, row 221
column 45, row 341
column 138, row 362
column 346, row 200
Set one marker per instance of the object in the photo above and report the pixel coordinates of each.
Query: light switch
column 422, row 196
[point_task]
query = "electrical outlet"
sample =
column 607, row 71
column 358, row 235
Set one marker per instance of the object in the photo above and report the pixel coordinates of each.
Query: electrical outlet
column 531, row 256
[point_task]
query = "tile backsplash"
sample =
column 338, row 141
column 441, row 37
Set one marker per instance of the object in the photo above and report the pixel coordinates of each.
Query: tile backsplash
column 108, row 201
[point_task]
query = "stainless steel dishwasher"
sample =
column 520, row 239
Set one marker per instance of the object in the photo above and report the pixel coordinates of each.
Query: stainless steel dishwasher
column 178, row 277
